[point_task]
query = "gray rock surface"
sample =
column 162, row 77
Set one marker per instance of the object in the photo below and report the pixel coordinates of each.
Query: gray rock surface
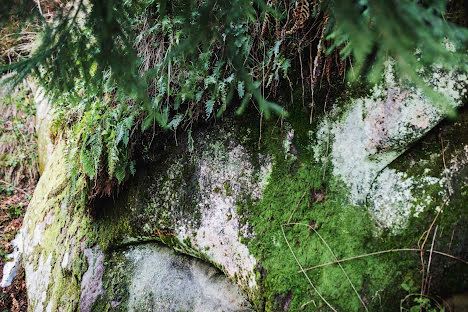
column 91, row 284
column 44, row 117
column 11, row 268
column 52, row 255
column 159, row 279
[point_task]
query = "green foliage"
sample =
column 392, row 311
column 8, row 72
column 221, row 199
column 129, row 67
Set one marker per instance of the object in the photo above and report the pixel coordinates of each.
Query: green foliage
column 18, row 146
column 79, row 45
column 188, row 59
column 416, row 34
column 98, row 132
column 102, row 128
column 15, row 211
column 190, row 74
column 197, row 60
column 191, row 52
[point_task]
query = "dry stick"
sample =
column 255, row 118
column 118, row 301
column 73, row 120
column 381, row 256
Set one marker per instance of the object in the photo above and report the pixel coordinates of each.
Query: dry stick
column 312, row 104
column 260, row 130
column 313, row 79
column 333, row 254
column 302, row 73
column 425, row 240
column 16, row 188
column 308, row 302
column 305, row 274
column 39, row 7
column 326, row 155
column 297, row 205
column 430, row 256
column 449, row 188
column 451, row 239
column 263, row 98
column 384, row 252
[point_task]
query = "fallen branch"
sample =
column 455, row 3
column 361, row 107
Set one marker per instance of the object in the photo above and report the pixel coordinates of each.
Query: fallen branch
column 16, row 188
column 333, row 254
column 297, row 205
column 303, row 271
column 384, row 252
column 424, row 243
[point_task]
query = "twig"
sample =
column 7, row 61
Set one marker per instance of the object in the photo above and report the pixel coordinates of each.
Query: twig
column 16, row 188
column 449, row 187
column 333, row 254
column 430, row 256
column 260, row 130
column 39, row 6
column 303, row 271
column 308, row 302
column 297, row 205
column 312, row 104
column 302, row 73
column 383, row 252
column 315, row 72
column 326, row 155
column 425, row 240
column 451, row 239
column 263, row 98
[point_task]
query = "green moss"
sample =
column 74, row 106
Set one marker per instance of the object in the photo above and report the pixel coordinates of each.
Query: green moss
column 227, row 188
column 348, row 231
column 116, row 281
column 66, row 289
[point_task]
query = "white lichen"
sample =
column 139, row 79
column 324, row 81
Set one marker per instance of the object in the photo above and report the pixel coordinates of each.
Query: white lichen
column 10, row 269
column 377, row 128
column 224, row 177
column 392, row 200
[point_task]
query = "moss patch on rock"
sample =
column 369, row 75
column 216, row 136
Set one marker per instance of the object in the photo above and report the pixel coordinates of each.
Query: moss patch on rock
column 318, row 216
column 303, row 199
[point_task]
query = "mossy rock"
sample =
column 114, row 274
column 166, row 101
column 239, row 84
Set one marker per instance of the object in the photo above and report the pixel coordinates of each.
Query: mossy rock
column 260, row 209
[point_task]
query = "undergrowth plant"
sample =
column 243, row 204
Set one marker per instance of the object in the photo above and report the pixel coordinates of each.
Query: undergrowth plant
column 18, row 145
column 183, row 85
column 171, row 64
column 98, row 133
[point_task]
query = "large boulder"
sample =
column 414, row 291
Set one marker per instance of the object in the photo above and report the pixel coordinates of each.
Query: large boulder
column 66, row 269
column 260, row 213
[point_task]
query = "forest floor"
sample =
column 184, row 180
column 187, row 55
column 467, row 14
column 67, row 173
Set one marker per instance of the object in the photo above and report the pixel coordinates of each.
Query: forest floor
column 13, row 204
column 18, row 179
